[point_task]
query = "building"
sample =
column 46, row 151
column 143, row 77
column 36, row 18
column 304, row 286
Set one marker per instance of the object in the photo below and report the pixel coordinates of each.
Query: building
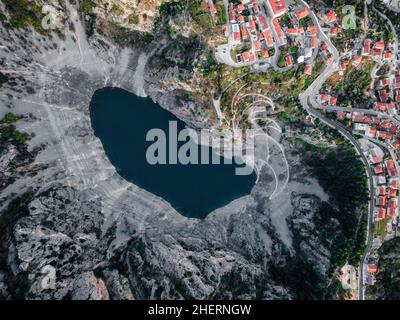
column 255, row 7
column 302, row 13
column 232, row 14
column 236, row 34
column 213, row 9
column 263, row 22
column 380, row 45
column 265, row 53
column 279, row 32
column 268, row 38
column 289, row 60
column 333, row 31
column 367, row 47
column 357, row 61
column 308, row 70
column 252, row 24
column 381, row 213
column 330, row 17
column 314, row 41
column 388, row 56
column 277, row 7
column 248, row 56
column 372, row 268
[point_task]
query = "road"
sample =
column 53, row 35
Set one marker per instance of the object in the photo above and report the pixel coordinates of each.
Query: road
column 363, row 111
column 310, row 96
column 396, row 39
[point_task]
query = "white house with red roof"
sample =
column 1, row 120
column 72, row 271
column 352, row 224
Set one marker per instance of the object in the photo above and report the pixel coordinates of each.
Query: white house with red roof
column 277, row 7
column 367, row 47
column 302, row 13
column 331, row 17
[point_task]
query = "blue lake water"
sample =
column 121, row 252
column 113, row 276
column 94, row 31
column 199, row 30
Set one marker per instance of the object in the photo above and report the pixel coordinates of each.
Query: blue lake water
column 122, row 120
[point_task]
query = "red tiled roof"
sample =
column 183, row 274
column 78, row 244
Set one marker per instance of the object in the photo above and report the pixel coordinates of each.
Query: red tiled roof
column 248, row 56
column 255, row 6
column 302, row 13
column 308, row 70
column 393, row 203
column 252, row 24
column 394, row 184
column 213, row 9
column 331, row 16
column 292, row 31
column 380, row 45
column 359, row 119
column 392, row 212
column 232, row 14
column 377, row 52
column 357, row 60
column 314, row 42
column 382, row 191
column 385, row 82
column 383, row 95
column 378, row 170
column 341, row 115
column 278, row 6
column 367, row 47
column 333, row 31
column 277, row 27
column 313, row 30
column 289, row 60
column 388, row 56
column 381, row 213
column 392, row 193
column 263, row 22
column 382, row 201
column 390, row 164
column 396, row 144
column 377, row 159
column 380, row 106
column 268, row 38
column 385, row 124
column 244, row 32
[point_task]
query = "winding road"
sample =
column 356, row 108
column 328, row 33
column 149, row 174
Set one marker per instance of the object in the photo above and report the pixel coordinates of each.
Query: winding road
column 309, row 97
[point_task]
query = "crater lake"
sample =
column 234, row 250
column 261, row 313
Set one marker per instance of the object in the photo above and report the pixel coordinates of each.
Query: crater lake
column 121, row 120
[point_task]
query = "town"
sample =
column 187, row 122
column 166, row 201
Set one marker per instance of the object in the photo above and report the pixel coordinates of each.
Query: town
column 287, row 34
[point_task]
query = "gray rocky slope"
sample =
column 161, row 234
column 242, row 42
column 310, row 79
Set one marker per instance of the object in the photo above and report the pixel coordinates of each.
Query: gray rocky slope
column 109, row 239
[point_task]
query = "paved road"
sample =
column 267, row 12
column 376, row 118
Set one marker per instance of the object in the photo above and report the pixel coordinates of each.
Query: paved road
column 396, row 39
column 309, row 96
column 345, row 133
column 364, row 111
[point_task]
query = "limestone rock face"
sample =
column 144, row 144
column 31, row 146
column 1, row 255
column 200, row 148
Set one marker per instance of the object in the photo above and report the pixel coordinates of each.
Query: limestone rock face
column 88, row 287
column 77, row 230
